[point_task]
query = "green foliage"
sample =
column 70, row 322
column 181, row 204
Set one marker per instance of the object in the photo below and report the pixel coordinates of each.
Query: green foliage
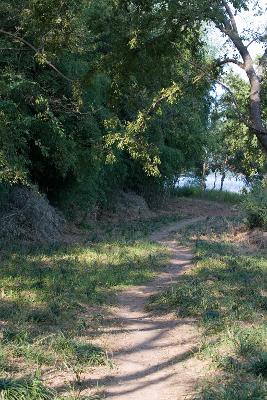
column 215, row 195
column 83, row 86
column 232, row 147
column 25, row 390
column 86, row 85
column 234, row 389
column 255, row 206
column 33, row 389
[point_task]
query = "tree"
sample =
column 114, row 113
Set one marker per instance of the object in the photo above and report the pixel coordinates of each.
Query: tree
column 85, row 84
column 223, row 15
column 232, row 147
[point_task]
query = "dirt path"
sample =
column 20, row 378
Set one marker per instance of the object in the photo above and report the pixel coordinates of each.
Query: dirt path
column 154, row 355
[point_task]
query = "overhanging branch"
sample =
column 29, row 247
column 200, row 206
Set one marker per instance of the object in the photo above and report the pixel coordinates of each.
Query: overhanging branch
column 47, row 62
column 229, row 61
column 240, row 114
column 205, row 75
column 231, row 15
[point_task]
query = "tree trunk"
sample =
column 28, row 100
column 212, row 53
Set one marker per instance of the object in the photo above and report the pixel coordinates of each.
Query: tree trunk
column 204, row 175
column 222, row 180
column 215, row 180
column 256, row 124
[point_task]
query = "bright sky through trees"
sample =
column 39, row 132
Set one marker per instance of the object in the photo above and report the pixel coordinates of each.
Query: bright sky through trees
column 249, row 23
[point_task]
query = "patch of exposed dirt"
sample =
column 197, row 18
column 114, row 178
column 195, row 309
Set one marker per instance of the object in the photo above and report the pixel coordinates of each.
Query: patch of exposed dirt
column 179, row 206
column 155, row 355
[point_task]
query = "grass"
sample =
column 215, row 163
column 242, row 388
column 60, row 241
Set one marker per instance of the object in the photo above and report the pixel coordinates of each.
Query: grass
column 131, row 230
column 33, row 389
column 213, row 195
column 226, row 292
column 48, row 297
column 25, row 390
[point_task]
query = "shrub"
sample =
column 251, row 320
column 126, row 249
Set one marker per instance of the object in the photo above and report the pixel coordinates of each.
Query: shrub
column 255, row 207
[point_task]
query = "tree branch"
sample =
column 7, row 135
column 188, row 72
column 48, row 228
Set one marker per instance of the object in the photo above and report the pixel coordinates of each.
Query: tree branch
column 230, row 60
column 47, row 62
column 205, row 74
column 231, row 15
column 13, row 49
column 229, row 28
column 240, row 114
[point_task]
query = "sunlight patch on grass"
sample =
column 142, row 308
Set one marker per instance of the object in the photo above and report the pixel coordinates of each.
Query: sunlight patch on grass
column 226, row 292
column 47, row 289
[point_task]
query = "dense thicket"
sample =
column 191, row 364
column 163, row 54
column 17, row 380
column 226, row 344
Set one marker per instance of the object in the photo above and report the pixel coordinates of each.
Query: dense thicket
column 98, row 95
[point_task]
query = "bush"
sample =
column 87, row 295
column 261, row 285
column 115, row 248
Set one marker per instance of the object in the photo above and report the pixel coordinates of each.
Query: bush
column 255, row 207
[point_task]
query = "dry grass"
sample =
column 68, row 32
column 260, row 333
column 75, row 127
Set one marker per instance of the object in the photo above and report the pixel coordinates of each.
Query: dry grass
column 226, row 292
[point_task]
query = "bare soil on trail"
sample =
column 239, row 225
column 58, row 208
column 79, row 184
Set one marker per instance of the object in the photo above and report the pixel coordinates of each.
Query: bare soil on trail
column 154, row 355
column 156, row 359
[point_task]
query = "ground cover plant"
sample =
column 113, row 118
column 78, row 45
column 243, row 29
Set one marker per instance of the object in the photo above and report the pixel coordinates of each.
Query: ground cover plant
column 212, row 195
column 46, row 291
column 226, row 292
column 255, row 206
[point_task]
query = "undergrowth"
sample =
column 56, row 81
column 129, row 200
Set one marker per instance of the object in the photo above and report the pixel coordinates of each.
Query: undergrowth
column 226, row 292
column 255, row 207
column 33, row 389
column 213, row 195
column 49, row 294
column 127, row 230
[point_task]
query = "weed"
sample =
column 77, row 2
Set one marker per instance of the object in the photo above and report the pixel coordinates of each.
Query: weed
column 226, row 293
column 76, row 352
column 213, row 195
column 33, row 389
column 255, row 207
column 239, row 388
column 25, row 390
column 46, row 288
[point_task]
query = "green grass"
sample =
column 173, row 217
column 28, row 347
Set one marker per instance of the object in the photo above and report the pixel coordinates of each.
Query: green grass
column 24, row 390
column 226, row 292
column 33, row 389
column 45, row 294
column 213, row 195
column 125, row 231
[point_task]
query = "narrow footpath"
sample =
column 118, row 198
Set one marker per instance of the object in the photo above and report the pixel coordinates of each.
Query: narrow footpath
column 155, row 357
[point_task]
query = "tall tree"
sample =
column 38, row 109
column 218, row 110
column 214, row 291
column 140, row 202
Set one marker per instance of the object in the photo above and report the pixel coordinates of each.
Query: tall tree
column 222, row 13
